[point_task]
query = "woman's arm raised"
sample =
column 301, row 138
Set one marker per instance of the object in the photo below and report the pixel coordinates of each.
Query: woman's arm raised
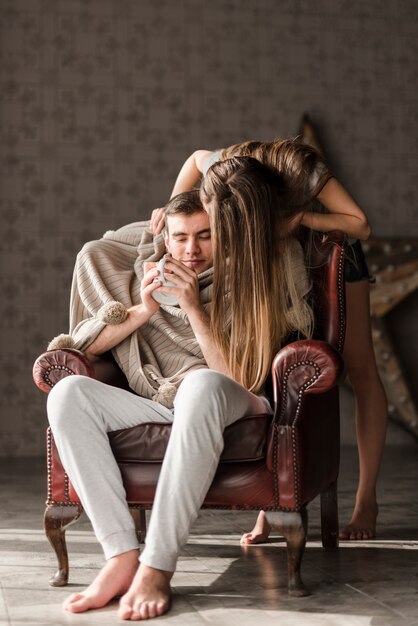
column 189, row 175
column 190, row 172
column 344, row 213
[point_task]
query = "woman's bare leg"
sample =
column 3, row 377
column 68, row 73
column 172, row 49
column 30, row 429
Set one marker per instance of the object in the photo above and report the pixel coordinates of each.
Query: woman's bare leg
column 371, row 418
column 371, row 410
column 259, row 533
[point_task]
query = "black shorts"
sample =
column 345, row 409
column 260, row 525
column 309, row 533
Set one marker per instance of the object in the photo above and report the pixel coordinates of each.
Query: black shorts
column 356, row 268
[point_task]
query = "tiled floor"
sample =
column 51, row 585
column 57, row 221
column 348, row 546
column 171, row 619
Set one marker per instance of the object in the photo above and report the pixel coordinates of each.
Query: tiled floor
column 218, row 582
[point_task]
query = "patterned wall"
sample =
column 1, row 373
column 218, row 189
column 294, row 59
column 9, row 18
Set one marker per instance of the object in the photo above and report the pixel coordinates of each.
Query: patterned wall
column 102, row 100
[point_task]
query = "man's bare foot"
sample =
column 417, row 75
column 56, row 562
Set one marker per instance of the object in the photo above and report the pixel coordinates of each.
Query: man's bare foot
column 362, row 525
column 148, row 596
column 259, row 533
column 113, row 580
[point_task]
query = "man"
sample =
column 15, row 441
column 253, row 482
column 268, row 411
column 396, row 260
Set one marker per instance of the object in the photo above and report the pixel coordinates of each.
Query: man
column 82, row 411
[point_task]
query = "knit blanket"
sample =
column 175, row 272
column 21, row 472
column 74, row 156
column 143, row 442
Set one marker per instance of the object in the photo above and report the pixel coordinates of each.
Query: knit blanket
column 156, row 358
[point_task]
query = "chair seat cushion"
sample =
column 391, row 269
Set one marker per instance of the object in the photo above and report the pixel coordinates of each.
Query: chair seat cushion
column 245, row 440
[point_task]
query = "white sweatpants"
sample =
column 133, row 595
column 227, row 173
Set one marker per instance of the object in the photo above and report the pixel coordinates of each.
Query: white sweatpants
column 82, row 411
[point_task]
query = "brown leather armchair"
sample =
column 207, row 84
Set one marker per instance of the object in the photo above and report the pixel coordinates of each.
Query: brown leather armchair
column 278, row 464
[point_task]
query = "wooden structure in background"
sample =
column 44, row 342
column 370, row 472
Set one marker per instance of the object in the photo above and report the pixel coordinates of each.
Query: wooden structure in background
column 394, row 263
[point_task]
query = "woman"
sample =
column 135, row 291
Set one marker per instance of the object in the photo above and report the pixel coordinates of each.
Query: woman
column 306, row 174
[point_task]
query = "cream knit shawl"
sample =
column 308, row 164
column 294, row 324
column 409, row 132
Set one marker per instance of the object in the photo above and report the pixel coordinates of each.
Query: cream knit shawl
column 156, row 357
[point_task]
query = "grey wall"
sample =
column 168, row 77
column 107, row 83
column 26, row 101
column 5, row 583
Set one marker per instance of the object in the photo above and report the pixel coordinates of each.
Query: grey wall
column 102, row 100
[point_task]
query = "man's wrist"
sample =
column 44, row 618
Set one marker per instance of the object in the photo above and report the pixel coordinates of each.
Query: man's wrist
column 139, row 314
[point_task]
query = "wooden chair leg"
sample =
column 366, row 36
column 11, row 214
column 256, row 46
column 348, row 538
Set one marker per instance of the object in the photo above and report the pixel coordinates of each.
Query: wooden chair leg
column 138, row 514
column 329, row 517
column 294, row 527
column 56, row 520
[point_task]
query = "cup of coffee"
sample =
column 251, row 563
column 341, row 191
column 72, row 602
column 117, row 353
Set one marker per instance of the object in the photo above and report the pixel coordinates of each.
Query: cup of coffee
column 159, row 296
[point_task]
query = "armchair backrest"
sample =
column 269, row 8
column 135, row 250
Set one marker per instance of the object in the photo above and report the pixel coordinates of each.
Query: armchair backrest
column 325, row 259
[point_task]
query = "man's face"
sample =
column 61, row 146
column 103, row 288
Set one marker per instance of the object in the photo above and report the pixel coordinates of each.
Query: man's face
column 188, row 240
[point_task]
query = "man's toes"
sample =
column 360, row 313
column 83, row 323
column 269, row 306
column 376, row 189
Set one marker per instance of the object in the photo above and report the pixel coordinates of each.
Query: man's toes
column 246, row 538
column 73, row 598
column 77, row 604
column 125, row 610
column 149, row 610
column 140, row 611
column 153, row 609
column 162, row 607
column 136, row 617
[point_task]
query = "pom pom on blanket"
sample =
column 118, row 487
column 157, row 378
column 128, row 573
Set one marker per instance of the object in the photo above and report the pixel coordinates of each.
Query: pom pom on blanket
column 112, row 313
column 60, row 342
column 165, row 395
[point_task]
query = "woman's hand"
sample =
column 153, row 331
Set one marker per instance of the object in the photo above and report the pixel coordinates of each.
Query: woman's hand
column 157, row 220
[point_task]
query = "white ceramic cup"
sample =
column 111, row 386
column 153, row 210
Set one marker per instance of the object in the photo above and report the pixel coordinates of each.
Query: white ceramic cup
column 159, row 296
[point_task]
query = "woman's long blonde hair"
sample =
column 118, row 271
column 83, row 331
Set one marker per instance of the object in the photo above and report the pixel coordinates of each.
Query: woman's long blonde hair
column 297, row 162
column 255, row 303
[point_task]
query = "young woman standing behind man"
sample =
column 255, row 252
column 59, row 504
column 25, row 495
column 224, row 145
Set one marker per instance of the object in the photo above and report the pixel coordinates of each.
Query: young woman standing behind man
column 309, row 179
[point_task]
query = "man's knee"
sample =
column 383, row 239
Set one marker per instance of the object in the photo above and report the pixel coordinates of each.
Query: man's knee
column 202, row 382
column 204, row 390
column 65, row 398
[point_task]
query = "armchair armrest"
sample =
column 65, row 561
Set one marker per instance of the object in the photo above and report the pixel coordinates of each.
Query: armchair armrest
column 303, row 450
column 53, row 365
column 303, row 367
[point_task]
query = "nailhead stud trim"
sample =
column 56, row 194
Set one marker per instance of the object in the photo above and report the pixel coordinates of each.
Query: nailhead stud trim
column 50, row 501
column 309, row 382
column 51, row 368
column 341, row 300
column 49, row 467
column 66, row 487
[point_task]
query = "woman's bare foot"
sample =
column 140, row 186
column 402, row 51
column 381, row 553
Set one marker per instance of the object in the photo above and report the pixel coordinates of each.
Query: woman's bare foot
column 113, row 580
column 148, row 596
column 362, row 525
column 259, row 533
